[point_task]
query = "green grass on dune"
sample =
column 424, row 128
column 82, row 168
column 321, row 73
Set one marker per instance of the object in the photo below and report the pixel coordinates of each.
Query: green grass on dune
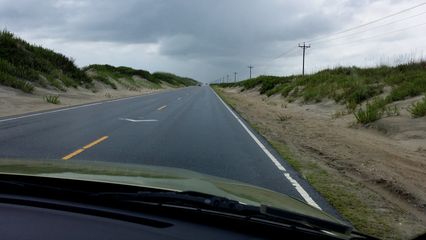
column 351, row 86
column 23, row 64
column 126, row 77
column 174, row 79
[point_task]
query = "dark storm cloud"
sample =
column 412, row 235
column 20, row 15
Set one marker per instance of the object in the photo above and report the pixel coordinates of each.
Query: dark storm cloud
column 190, row 28
column 215, row 36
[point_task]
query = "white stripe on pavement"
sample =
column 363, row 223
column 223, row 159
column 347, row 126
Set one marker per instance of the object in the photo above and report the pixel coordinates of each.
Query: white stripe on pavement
column 161, row 108
column 287, row 175
column 138, row 120
column 76, row 107
column 54, row 111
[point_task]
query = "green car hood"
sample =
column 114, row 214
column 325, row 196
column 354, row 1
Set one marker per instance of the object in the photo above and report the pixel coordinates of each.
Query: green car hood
column 162, row 178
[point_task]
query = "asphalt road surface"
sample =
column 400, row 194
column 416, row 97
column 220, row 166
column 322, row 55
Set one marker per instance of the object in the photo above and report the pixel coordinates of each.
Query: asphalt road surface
column 189, row 128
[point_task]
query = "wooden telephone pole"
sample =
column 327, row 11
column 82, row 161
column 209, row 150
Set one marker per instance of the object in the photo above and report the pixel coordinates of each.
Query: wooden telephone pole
column 304, row 46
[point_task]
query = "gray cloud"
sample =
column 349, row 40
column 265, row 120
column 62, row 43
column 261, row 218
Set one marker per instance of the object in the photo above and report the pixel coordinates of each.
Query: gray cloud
column 221, row 35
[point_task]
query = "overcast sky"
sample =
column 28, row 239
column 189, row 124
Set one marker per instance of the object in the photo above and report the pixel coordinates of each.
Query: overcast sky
column 209, row 39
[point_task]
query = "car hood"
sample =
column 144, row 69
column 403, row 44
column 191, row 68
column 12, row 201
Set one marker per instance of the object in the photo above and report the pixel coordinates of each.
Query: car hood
column 166, row 178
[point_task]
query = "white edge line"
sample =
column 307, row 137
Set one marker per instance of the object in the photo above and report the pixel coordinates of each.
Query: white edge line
column 280, row 167
column 53, row 111
column 75, row 107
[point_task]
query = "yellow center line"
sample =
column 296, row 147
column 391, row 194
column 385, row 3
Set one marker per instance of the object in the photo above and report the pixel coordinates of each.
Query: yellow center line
column 78, row 151
column 161, row 108
column 73, row 154
column 95, row 142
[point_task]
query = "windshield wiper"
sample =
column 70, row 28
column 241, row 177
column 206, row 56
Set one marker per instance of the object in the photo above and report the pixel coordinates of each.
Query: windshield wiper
column 189, row 198
column 201, row 201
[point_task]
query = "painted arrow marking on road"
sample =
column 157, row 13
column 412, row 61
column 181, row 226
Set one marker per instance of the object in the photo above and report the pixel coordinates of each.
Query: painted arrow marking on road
column 138, row 120
column 161, row 108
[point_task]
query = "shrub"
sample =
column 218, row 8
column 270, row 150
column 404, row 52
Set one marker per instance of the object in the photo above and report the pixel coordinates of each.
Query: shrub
column 351, row 106
column 418, row 109
column 287, row 89
column 408, row 88
column 368, row 115
column 56, row 83
column 360, row 93
column 283, row 118
column 26, row 87
column 11, row 81
column 269, row 83
column 52, row 99
column 105, row 80
column 373, row 111
column 391, row 111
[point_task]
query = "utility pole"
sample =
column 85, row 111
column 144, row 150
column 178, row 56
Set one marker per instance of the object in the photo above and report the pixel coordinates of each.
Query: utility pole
column 235, row 76
column 250, row 67
column 304, row 46
column 227, row 77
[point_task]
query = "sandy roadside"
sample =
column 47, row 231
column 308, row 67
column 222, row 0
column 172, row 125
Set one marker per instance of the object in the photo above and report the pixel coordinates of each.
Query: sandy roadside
column 14, row 102
column 387, row 159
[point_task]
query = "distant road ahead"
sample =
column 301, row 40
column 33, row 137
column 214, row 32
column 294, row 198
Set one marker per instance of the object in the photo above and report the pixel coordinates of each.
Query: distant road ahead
column 189, row 128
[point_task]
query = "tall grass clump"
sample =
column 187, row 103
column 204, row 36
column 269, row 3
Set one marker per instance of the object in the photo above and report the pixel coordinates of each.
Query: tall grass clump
column 52, row 99
column 418, row 109
column 372, row 111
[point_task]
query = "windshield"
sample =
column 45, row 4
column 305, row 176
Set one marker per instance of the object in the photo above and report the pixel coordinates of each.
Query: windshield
column 316, row 108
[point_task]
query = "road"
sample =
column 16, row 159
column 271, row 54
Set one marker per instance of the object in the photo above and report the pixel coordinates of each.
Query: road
column 190, row 128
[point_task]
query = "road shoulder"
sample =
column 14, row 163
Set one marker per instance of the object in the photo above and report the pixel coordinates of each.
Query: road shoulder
column 368, row 210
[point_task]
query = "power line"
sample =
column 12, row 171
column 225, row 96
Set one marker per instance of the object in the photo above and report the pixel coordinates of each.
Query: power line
column 290, row 50
column 382, row 34
column 369, row 29
column 330, row 37
column 371, row 22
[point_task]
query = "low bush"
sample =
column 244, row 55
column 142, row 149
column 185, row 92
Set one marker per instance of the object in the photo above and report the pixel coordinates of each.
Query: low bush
column 418, row 109
column 368, row 115
column 26, row 86
column 11, row 81
column 52, row 99
column 283, row 118
column 372, row 112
